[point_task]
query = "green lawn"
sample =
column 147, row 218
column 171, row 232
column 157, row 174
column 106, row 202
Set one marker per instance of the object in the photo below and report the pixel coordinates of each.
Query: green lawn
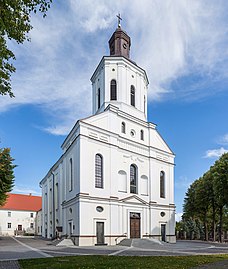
column 121, row 262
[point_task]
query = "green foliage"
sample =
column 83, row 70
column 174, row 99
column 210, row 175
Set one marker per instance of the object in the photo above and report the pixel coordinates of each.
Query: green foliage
column 15, row 25
column 116, row 262
column 6, row 174
column 206, row 201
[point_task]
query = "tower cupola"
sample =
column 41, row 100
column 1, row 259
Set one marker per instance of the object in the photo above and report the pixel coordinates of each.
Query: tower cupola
column 120, row 42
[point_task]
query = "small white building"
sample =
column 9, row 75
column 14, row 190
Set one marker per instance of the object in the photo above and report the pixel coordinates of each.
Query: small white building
column 115, row 178
column 38, row 222
column 18, row 215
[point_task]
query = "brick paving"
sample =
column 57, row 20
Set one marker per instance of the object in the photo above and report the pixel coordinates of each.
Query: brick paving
column 9, row 265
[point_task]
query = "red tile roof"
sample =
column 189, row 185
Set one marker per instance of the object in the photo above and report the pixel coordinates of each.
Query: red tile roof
column 22, row 202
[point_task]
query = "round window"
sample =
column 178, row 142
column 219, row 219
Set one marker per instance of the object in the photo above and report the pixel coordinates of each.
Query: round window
column 99, row 208
column 132, row 133
column 162, row 214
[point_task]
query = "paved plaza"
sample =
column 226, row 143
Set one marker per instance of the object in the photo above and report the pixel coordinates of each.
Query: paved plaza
column 12, row 249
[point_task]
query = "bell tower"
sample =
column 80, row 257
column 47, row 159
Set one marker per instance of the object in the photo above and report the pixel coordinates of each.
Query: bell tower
column 118, row 81
column 120, row 42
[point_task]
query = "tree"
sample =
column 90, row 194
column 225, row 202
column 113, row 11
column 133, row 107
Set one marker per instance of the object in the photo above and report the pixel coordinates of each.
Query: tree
column 210, row 194
column 220, row 174
column 203, row 203
column 206, row 200
column 15, row 25
column 190, row 209
column 6, row 174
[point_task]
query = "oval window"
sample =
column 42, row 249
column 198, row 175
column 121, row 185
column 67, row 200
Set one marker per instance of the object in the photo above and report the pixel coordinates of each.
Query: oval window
column 99, row 208
column 162, row 214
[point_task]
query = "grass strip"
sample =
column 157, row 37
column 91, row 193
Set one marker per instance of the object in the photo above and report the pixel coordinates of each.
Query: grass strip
column 111, row 262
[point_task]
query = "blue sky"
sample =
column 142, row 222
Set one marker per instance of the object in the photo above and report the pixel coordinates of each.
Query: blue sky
column 183, row 46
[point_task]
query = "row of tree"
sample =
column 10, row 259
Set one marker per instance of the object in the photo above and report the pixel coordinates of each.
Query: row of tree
column 206, row 203
column 6, row 174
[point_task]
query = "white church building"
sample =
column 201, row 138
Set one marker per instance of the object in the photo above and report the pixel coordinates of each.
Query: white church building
column 115, row 178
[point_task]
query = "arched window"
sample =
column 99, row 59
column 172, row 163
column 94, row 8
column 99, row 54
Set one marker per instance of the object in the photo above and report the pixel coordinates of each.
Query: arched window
column 123, row 127
column 98, row 98
column 141, row 135
column 132, row 95
column 162, row 184
column 71, row 175
column 133, row 179
column 98, row 171
column 113, row 92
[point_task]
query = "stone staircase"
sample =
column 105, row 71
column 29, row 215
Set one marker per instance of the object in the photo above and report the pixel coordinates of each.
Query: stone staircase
column 140, row 243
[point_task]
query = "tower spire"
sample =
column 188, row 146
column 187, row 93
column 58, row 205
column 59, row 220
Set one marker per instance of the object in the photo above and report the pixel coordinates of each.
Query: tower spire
column 119, row 19
column 120, row 42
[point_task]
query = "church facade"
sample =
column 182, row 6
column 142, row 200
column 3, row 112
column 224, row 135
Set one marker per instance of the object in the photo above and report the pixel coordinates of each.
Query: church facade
column 115, row 178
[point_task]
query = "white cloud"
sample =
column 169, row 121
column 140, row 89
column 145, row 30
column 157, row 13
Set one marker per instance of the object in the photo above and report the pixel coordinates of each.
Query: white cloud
column 215, row 153
column 170, row 39
column 223, row 140
column 178, row 216
column 25, row 190
column 182, row 182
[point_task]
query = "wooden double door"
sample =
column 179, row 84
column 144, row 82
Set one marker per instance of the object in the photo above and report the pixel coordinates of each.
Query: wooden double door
column 135, row 225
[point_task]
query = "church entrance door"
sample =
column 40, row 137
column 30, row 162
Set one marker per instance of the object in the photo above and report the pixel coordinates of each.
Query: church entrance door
column 163, row 232
column 134, row 225
column 100, row 233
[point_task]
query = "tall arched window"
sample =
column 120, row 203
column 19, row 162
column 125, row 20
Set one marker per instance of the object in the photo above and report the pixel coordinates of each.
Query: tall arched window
column 98, row 171
column 123, row 127
column 113, row 92
column 162, row 184
column 132, row 95
column 98, row 98
column 141, row 135
column 71, row 175
column 133, row 179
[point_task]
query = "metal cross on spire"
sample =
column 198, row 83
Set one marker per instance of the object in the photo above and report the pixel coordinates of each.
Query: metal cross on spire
column 119, row 19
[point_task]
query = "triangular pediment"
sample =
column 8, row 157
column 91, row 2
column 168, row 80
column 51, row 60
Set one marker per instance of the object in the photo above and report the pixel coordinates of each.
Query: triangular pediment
column 100, row 120
column 134, row 200
column 158, row 142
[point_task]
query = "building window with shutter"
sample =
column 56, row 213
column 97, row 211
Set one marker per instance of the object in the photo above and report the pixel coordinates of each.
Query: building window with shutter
column 98, row 171
column 123, row 127
column 113, row 91
column 71, row 175
column 162, row 184
column 141, row 135
column 98, row 98
column 133, row 179
column 132, row 95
